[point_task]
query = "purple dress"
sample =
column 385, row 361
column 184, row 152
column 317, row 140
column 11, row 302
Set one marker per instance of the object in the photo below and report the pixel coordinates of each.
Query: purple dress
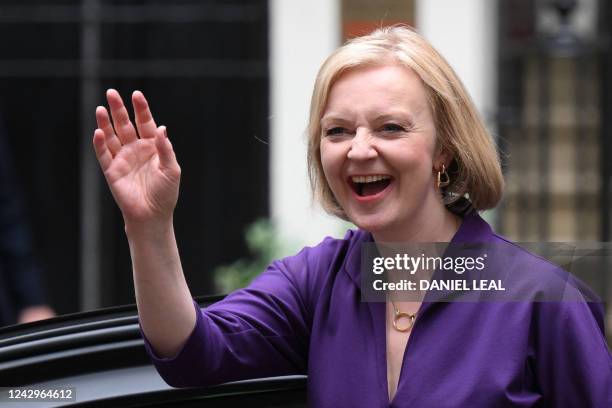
column 304, row 315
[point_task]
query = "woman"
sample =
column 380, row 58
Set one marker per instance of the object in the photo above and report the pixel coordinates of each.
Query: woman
column 395, row 145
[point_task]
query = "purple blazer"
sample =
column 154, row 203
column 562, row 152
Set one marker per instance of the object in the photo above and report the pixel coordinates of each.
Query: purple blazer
column 304, row 315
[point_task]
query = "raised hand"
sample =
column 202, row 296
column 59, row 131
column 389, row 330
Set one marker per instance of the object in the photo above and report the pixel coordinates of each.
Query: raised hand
column 139, row 163
column 141, row 170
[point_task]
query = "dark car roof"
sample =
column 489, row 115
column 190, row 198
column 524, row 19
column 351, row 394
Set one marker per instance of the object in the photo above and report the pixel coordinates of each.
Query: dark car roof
column 101, row 356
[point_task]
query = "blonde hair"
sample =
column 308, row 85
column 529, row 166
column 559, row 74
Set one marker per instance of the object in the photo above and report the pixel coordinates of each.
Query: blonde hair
column 475, row 169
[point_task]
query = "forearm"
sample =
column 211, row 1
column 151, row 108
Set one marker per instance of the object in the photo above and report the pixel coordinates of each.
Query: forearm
column 143, row 175
column 165, row 306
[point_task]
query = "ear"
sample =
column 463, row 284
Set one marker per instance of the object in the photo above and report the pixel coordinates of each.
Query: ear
column 443, row 157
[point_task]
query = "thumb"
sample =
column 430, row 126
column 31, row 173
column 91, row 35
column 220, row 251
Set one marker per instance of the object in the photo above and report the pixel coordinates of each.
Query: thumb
column 166, row 154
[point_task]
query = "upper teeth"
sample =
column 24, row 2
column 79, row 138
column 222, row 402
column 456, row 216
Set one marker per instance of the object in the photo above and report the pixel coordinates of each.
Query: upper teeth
column 369, row 179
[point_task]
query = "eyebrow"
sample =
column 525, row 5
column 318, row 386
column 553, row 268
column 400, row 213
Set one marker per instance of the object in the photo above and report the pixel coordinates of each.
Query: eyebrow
column 404, row 116
column 333, row 117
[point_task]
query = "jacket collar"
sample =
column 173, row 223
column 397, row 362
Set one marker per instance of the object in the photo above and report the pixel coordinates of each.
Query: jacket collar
column 473, row 229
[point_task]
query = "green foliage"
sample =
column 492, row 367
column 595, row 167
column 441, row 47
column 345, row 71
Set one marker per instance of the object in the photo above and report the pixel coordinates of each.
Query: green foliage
column 265, row 246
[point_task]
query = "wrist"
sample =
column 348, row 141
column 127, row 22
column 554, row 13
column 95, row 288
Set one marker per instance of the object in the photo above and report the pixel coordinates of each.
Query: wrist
column 148, row 229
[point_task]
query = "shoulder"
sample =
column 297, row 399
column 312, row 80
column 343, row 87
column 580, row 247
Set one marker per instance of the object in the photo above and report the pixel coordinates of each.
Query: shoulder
column 544, row 273
column 313, row 267
column 503, row 255
column 532, row 277
column 522, row 258
column 328, row 255
column 327, row 251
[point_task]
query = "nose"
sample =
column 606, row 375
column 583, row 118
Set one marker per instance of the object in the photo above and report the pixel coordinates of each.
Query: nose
column 362, row 147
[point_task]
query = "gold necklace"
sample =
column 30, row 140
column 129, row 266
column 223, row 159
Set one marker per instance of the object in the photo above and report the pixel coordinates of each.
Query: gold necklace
column 397, row 315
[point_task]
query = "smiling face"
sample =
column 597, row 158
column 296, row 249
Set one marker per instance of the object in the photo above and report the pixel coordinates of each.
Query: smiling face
column 377, row 150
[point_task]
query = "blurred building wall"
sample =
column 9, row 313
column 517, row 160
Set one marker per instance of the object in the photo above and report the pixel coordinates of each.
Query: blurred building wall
column 465, row 34
column 302, row 35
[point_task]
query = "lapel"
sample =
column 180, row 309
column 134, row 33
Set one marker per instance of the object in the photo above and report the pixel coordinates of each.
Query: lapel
column 473, row 229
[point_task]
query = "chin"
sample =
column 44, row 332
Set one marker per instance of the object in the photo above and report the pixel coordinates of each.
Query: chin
column 372, row 224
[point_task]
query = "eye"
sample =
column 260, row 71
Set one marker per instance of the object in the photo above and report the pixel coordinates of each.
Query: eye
column 392, row 128
column 336, row 131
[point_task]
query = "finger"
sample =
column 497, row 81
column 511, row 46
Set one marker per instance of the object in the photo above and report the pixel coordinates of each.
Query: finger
column 103, row 154
column 167, row 158
column 112, row 141
column 144, row 120
column 121, row 119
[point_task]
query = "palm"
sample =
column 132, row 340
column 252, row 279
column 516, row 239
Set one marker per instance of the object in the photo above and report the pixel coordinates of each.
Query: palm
column 139, row 186
column 142, row 173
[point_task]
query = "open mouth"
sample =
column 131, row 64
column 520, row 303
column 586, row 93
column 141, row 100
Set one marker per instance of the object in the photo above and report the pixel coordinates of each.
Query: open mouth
column 365, row 186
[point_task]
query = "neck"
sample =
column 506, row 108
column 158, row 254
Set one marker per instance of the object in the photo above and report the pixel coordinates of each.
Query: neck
column 436, row 225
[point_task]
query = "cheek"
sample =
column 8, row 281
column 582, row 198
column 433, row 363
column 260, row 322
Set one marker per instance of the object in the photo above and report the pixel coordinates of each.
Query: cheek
column 330, row 159
column 415, row 154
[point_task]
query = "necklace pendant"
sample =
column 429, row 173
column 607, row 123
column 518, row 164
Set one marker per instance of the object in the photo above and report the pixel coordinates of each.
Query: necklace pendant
column 396, row 318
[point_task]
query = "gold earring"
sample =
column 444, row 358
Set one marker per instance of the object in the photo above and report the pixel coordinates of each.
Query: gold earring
column 443, row 177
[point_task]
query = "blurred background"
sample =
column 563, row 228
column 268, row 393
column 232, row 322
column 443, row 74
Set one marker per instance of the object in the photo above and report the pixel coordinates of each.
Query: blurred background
column 232, row 80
